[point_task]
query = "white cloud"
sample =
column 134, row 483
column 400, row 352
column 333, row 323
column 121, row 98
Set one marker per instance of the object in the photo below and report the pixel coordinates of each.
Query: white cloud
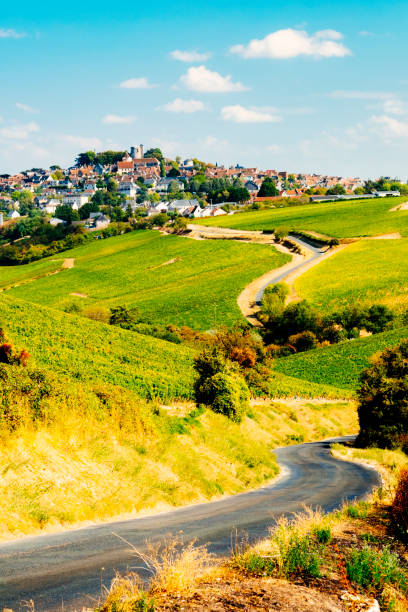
column 137, row 83
column 389, row 128
column 389, row 102
column 26, row 108
column 189, row 56
column 10, row 33
column 183, row 106
column 394, row 106
column 199, row 78
column 168, row 147
column 214, row 143
column 19, row 131
column 118, row 119
column 284, row 44
column 240, row 114
column 83, row 142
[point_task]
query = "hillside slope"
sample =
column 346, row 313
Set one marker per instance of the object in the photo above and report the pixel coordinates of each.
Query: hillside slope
column 169, row 278
column 339, row 364
column 347, row 219
column 90, row 351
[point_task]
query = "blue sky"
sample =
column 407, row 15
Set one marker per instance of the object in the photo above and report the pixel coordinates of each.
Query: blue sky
column 304, row 86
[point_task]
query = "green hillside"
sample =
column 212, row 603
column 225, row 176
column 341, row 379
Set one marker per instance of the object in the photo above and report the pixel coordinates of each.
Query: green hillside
column 367, row 271
column 340, row 219
column 92, row 352
column 169, row 278
column 338, row 365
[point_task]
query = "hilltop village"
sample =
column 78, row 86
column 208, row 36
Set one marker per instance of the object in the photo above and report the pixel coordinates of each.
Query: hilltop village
column 145, row 183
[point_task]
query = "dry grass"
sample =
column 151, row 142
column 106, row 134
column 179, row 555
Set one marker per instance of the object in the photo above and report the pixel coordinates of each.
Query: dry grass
column 128, row 461
column 175, row 570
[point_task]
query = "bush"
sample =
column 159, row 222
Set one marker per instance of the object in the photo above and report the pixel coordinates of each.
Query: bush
column 373, row 569
column 379, row 318
column 383, row 400
column 305, row 341
column 231, row 395
column 400, row 503
column 209, row 362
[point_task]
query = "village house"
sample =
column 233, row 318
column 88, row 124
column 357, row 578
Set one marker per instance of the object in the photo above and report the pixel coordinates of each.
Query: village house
column 75, row 200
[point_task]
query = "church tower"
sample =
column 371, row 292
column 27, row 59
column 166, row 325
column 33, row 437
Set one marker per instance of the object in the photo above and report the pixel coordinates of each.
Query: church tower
column 136, row 152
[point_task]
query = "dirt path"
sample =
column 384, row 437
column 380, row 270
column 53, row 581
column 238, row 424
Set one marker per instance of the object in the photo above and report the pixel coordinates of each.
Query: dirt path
column 66, row 265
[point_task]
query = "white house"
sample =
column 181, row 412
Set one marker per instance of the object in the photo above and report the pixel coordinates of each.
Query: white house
column 75, row 200
column 13, row 214
column 51, row 206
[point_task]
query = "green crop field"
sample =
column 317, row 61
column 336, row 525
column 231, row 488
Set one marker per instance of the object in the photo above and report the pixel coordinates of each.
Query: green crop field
column 367, row 271
column 347, row 219
column 338, row 365
column 169, row 278
column 10, row 275
column 92, row 352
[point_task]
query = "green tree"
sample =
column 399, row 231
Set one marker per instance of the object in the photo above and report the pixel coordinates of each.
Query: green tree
column 268, row 189
column 85, row 159
column 383, row 400
column 155, row 152
column 66, row 213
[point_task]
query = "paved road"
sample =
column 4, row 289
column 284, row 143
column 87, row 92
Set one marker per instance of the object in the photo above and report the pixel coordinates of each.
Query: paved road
column 65, row 567
column 317, row 253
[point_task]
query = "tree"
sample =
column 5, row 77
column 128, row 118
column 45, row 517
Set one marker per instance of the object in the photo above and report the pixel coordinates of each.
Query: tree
column 173, row 187
column 173, row 172
column 57, row 175
column 239, row 194
column 155, row 152
column 66, row 213
column 268, row 189
column 336, row 190
column 180, row 225
column 378, row 319
column 87, row 208
column 85, row 159
column 383, row 400
column 123, row 316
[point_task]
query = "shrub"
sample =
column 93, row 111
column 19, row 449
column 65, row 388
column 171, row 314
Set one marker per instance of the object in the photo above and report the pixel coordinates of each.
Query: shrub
column 9, row 354
column 305, row 341
column 231, row 395
column 334, row 333
column 400, row 503
column 383, row 399
column 207, row 364
column 379, row 317
column 373, row 569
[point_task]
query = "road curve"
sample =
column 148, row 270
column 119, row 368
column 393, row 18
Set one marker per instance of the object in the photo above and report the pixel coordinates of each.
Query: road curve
column 68, row 568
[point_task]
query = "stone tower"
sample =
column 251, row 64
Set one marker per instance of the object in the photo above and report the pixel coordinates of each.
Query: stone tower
column 136, row 152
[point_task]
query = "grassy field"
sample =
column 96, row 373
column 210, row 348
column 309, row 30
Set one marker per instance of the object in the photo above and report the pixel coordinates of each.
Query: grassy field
column 338, row 219
column 170, row 279
column 90, row 351
column 367, row 271
column 10, row 275
column 338, row 365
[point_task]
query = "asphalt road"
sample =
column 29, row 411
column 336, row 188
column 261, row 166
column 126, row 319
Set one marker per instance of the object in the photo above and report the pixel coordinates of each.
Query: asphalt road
column 65, row 571
column 317, row 253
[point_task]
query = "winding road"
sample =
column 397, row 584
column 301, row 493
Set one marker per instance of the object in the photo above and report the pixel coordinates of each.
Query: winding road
column 67, row 569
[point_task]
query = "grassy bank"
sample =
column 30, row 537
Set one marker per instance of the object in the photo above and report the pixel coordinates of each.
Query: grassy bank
column 338, row 365
column 170, row 279
column 347, row 219
column 369, row 271
column 96, row 452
